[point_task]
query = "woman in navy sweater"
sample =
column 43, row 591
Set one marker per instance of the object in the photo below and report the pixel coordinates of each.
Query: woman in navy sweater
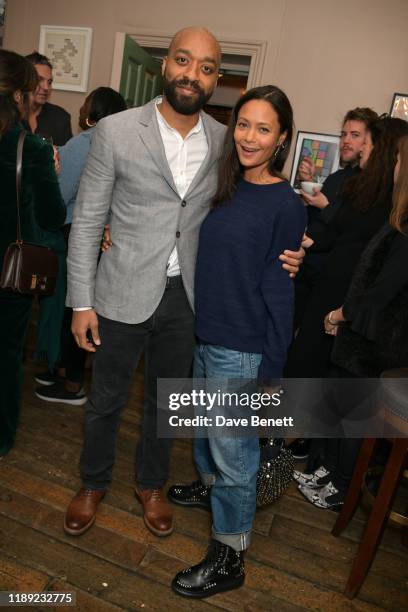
column 244, row 310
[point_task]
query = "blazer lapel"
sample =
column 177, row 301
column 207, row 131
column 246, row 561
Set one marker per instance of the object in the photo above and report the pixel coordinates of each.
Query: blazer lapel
column 150, row 134
column 211, row 158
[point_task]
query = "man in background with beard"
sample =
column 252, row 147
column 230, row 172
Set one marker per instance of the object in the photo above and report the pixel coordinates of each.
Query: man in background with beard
column 155, row 169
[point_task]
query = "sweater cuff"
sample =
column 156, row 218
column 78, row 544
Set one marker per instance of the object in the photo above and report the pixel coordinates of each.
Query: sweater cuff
column 270, row 373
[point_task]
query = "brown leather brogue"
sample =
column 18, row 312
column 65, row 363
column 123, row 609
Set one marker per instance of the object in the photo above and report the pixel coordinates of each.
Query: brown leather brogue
column 157, row 513
column 81, row 512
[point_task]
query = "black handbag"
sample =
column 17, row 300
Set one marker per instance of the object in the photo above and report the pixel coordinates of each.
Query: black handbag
column 27, row 268
column 275, row 471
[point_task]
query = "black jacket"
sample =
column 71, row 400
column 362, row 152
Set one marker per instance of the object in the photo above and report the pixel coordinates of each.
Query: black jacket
column 375, row 336
column 54, row 121
column 42, row 206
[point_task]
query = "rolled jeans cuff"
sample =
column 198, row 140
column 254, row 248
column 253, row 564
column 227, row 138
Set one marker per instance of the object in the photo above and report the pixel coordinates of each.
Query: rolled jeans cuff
column 207, row 479
column 237, row 541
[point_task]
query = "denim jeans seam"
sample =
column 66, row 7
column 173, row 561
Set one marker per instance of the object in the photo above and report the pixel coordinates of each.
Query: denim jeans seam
column 244, row 499
column 251, row 363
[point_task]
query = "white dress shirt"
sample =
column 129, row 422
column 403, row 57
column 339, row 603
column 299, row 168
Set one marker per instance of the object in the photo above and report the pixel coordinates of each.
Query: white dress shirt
column 184, row 157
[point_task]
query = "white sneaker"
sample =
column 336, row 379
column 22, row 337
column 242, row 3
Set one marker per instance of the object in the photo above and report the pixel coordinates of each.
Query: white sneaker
column 310, row 480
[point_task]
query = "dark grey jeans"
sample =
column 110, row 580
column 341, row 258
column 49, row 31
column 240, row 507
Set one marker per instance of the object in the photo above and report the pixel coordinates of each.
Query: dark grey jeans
column 167, row 339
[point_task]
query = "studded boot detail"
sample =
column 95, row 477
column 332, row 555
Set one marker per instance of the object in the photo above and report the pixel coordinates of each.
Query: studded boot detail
column 222, row 569
column 194, row 495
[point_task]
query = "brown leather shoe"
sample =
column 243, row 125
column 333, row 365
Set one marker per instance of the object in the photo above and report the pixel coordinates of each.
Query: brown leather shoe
column 157, row 514
column 81, row 512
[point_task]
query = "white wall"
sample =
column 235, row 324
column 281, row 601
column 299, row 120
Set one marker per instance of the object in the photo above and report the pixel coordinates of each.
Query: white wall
column 328, row 55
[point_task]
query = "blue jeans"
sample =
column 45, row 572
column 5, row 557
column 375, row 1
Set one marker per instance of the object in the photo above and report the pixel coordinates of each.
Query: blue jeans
column 229, row 464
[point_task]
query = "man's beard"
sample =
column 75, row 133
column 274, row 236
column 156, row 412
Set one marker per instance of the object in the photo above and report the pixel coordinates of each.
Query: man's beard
column 185, row 105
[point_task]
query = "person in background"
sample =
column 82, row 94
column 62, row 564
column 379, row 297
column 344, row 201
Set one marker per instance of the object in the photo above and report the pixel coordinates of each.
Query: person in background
column 352, row 138
column 321, row 209
column 45, row 119
column 42, row 207
column 244, row 308
column 371, row 327
column 64, row 382
column 367, row 205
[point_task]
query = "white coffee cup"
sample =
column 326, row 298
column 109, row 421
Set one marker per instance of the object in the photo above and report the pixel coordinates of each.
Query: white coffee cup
column 309, row 187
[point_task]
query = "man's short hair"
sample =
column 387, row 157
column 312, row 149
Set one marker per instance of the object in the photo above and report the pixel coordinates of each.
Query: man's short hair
column 37, row 58
column 361, row 113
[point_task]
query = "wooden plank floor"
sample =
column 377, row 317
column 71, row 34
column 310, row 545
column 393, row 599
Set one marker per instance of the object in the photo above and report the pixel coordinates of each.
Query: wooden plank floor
column 294, row 563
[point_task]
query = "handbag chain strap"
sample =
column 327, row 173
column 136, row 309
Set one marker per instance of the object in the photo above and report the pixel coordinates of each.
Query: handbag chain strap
column 19, row 165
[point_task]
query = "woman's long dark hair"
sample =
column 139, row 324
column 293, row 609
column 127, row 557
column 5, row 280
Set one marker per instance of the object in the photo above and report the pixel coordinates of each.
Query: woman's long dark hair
column 230, row 168
column 16, row 74
column 375, row 183
column 399, row 212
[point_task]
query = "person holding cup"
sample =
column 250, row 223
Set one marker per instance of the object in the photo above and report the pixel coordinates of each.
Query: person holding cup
column 352, row 136
column 371, row 332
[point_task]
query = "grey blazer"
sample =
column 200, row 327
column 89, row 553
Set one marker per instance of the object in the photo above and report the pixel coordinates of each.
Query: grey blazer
column 127, row 174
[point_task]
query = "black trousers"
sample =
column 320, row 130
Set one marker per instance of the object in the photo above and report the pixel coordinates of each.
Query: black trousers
column 15, row 313
column 167, row 339
column 339, row 455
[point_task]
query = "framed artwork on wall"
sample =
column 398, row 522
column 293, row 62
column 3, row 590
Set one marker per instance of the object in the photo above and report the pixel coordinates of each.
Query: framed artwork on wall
column 69, row 51
column 322, row 149
column 399, row 106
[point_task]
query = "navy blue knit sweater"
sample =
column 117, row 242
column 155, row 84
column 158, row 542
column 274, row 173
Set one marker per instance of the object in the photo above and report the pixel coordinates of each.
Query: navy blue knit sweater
column 243, row 297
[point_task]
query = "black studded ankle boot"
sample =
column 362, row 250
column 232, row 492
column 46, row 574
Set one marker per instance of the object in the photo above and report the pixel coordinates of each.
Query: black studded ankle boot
column 194, row 495
column 222, row 569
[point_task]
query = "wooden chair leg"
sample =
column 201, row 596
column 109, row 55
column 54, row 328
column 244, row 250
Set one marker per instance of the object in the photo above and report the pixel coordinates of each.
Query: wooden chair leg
column 404, row 533
column 373, row 531
column 354, row 489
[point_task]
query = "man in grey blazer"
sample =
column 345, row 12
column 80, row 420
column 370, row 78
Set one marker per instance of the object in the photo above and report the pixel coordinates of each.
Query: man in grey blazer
column 155, row 169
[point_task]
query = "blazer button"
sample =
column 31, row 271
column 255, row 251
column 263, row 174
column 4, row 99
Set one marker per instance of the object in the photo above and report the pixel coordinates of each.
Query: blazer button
column 183, row 203
column 177, row 234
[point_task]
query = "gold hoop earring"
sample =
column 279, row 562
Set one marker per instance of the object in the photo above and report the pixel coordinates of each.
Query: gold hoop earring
column 88, row 124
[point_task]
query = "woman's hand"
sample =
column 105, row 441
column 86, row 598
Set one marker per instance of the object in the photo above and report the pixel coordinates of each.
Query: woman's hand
column 106, row 240
column 332, row 321
column 318, row 199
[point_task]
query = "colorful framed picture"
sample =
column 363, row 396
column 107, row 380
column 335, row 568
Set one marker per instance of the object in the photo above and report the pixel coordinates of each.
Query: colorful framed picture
column 322, row 149
column 69, row 51
column 399, row 106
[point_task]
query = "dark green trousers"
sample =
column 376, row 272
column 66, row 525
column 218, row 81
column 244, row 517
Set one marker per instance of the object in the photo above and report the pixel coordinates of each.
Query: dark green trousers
column 14, row 318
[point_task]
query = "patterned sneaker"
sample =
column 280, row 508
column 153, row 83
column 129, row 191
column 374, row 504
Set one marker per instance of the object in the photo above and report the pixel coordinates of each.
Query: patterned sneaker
column 328, row 497
column 58, row 394
column 312, row 481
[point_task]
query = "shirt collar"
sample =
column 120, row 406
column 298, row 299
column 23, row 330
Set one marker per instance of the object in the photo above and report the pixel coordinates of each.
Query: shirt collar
column 162, row 121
